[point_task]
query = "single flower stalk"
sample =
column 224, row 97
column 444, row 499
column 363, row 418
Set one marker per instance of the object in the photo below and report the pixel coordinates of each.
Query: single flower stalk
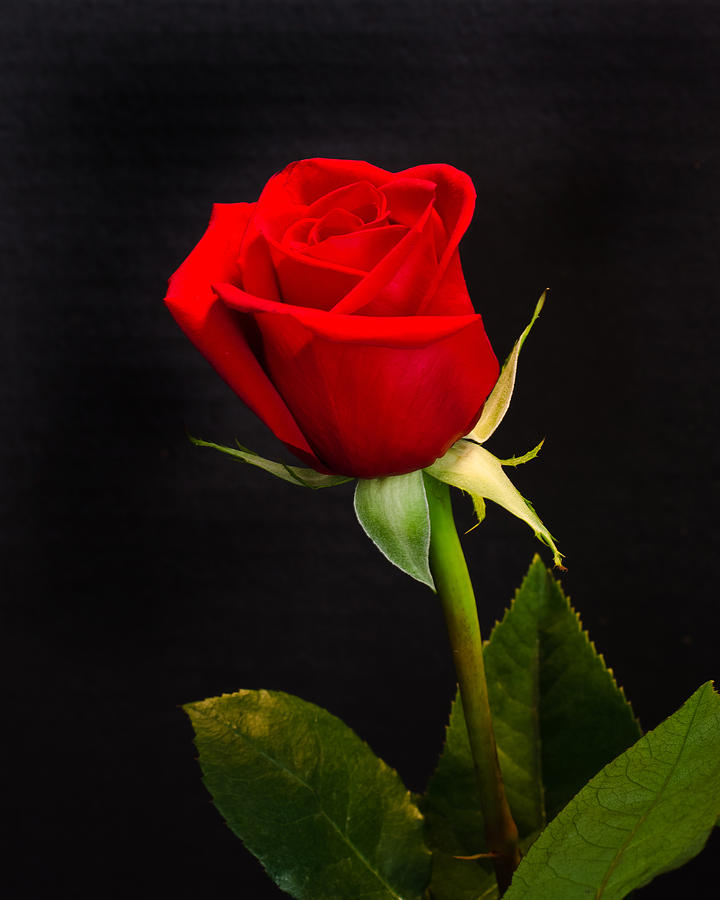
column 335, row 306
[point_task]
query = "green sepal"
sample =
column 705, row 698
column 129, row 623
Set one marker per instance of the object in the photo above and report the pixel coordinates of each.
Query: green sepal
column 648, row 811
column 305, row 477
column 394, row 514
column 498, row 402
column 473, row 469
column 323, row 814
column 558, row 716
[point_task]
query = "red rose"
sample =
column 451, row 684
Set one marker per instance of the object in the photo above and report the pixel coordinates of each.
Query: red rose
column 335, row 306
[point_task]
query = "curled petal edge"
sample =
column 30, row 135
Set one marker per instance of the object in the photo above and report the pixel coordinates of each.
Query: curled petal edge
column 384, row 331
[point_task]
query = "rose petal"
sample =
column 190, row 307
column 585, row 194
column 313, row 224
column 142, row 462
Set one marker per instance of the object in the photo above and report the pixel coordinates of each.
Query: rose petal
column 288, row 195
column 451, row 297
column 404, row 278
column 286, row 199
column 361, row 249
column 410, row 387
column 297, row 234
column 256, row 265
column 307, row 180
column 220, row 334
column 408, row 278
column 439, row 235
column 386, row 331
column 398, row 284
column 407, row 199
column 454, row 201
column 336, row 221
column 361, row 198
column 305, row 281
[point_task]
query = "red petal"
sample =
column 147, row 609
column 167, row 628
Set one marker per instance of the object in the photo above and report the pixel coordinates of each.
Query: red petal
column 375, row 395
column 297, row 234
column 287, row 196
column 398, row 284
column 222, row 335
column 256, row 265
column 454, row 200
column 307, row 180
column 408, row 198
column 385, row 331
column 335, row 221
column 361, row 195
column 451, row 297
column 409, row 277
column 361, row 249
column 305, row 281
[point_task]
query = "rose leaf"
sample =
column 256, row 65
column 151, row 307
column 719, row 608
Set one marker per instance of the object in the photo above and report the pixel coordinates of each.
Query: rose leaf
column 558, row 715
column 309, row 799
column 647, row 812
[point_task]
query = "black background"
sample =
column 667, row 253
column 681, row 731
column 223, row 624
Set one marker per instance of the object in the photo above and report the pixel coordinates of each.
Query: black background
column 142, row 572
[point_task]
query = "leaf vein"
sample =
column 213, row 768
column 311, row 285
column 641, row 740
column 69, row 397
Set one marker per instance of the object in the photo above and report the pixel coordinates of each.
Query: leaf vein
column 643, row 818
column 244, row 737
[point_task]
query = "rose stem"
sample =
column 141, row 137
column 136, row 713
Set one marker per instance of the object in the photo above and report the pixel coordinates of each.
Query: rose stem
column 452, row 580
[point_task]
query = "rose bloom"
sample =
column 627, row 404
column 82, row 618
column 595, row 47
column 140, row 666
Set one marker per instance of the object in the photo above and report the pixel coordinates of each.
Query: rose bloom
column 336, row 308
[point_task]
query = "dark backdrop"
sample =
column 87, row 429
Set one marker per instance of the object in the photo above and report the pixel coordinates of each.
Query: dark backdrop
column 142, row 572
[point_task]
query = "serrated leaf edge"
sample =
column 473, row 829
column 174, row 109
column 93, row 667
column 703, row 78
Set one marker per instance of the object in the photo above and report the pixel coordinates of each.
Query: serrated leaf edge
column 537, row 559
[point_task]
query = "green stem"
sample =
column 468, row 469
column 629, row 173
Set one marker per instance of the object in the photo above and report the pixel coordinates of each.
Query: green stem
column 449, row 571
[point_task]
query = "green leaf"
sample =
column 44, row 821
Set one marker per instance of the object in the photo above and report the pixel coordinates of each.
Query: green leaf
column 558, row 714
column 394, row 513
column 473, row 469
column 498, row 402
column 648, row 811
column 294, row 474
column 324, row 815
